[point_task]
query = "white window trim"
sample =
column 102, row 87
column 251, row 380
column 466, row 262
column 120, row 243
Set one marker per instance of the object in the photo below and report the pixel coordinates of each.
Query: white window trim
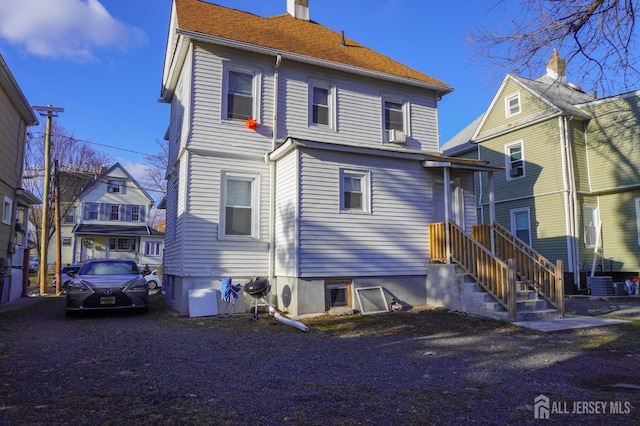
column 255, row 206
column 512, row 216
column 507, row 109
column 366, row 191
column 595, row 210
column 332, row 104
column 507, row 160
column 256, row 80
column 406, row 108
column 7, row 210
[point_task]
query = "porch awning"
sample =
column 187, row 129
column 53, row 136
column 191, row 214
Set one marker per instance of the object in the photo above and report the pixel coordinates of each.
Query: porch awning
column 116, row 230
column 441, row 161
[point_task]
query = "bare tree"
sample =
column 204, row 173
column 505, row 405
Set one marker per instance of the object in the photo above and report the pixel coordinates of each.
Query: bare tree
column 78, row 165
column 154, row 176
column 598, row 38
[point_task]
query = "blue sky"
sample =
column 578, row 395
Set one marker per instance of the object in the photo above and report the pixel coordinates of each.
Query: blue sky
column 102, row 59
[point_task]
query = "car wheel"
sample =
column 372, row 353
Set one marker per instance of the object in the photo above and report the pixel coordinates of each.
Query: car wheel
column 152, row 285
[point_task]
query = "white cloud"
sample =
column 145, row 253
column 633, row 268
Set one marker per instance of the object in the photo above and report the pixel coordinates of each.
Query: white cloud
column 64, row 28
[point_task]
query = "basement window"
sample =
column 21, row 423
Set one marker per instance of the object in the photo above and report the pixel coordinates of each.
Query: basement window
column 337, row 293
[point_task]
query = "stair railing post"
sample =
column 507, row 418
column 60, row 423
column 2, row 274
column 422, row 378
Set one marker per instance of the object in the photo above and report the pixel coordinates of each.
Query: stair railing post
column 560, row 288
column 447, row 210
column 492, row 211
column 511, row 285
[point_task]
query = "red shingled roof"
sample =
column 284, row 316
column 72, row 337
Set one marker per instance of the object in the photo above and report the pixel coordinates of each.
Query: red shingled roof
column 287, row 34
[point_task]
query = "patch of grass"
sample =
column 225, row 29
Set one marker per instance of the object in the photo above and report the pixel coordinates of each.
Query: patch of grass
column 624, row 337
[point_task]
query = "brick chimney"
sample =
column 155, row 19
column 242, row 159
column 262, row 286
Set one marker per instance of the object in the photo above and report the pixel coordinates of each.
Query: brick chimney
column 556, row 67
column 299, row 9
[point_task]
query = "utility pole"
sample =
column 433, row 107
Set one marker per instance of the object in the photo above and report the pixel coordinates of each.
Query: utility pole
column 56, row 206
column 49, row 112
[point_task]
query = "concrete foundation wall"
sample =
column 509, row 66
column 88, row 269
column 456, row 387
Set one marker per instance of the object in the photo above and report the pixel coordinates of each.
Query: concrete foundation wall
column 295, row 296
column 447, row 288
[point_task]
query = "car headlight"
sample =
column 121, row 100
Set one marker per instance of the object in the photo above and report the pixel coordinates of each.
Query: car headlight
column 137, row 283
column 78, row 285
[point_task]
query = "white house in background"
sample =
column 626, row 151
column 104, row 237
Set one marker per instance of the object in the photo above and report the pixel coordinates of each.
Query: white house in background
column 110, row 220
column 300, row 155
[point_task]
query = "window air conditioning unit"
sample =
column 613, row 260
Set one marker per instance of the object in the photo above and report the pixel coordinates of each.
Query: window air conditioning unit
column 516, row 171
column 397, row 136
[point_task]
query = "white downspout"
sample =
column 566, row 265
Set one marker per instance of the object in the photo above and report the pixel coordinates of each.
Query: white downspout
column 565, row 193
column 272, row 173
column 574, row 203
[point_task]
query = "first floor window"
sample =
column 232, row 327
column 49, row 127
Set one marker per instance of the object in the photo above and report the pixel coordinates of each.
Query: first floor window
column 66, row 241
column 152, row 248
column 239, row 204
column 521, row 225
column 7, row 209
column 354, row 191
column 590, row 224
column 122, row 244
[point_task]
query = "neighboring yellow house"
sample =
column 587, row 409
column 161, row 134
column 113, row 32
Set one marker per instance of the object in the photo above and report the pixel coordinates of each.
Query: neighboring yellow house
column 571, row 185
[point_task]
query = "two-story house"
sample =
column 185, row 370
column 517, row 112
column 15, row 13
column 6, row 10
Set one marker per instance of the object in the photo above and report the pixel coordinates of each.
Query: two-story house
column 109, row 219
column 15, row 116
column 570, row 188
column 300, row 155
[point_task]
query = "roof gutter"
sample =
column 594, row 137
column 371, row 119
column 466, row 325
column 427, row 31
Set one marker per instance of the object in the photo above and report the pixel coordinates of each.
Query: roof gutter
column 441, row 90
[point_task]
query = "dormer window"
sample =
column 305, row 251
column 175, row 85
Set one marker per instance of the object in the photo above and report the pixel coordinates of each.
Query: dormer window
column 512, row 105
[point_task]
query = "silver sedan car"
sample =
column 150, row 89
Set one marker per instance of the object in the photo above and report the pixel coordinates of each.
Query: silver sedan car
column 107, row 284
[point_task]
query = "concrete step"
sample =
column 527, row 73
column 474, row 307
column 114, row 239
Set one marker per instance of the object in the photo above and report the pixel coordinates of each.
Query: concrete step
column 537, row 315
column 531, row 305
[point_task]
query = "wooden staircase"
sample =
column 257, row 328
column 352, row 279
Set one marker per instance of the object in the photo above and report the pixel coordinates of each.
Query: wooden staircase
column 515, row 282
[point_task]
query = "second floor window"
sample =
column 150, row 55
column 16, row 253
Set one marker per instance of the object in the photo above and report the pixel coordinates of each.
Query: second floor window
column 135, row 213
column 239, row 95
column 70, row 216
column 93, row 211
column 393, row 116
column 320, row 106
column 114, row 212
column 514, row 161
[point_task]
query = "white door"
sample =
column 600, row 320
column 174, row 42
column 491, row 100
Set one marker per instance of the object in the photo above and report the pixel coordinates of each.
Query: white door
column 456, row 198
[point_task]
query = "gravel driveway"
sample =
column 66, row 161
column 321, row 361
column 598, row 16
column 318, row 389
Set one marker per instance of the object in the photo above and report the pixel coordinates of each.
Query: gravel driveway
column 158, row 369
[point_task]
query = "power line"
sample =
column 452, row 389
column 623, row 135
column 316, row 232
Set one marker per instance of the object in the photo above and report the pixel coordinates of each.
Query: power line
column 95, row 143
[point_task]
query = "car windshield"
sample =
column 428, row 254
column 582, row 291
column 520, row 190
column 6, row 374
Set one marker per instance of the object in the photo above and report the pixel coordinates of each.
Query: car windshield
column 110, row 268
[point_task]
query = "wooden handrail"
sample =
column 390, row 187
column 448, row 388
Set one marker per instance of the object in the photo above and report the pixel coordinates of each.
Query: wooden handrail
column 494, row 275
column 532, row 268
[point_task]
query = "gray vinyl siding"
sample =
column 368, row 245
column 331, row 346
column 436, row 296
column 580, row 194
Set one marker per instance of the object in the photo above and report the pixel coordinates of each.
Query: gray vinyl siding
column 392, row 240
column 204, row 253
column 287, row 211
